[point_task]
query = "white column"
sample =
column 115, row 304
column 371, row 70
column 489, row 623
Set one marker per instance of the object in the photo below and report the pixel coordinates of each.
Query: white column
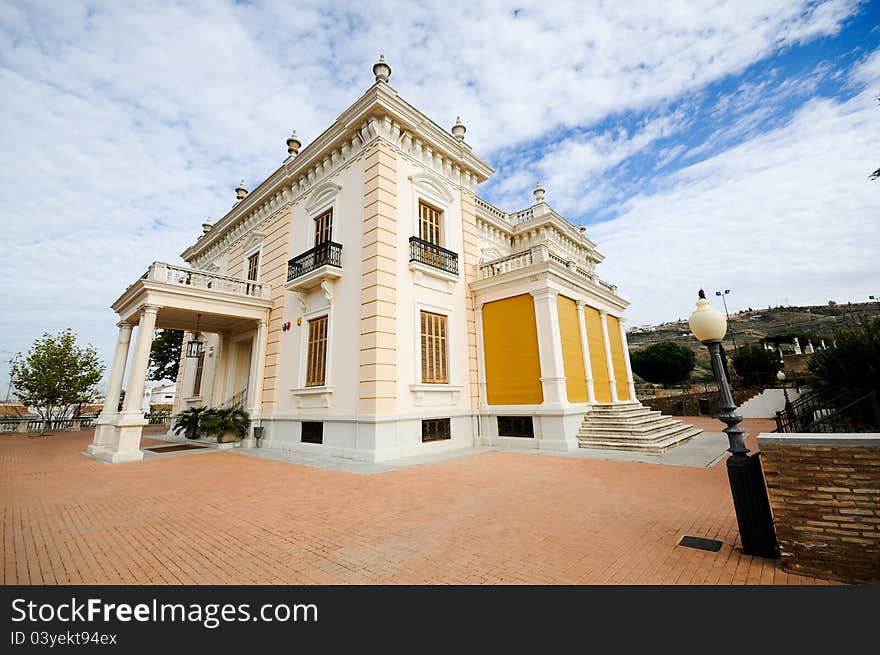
column 137, row 378
column 550, row 348
column 258, row 362
column 585, row 346
column 481, row 357
column 103, row 438
column 603, row 315
column 129, row 424
column 629, row 374
column 217, row 391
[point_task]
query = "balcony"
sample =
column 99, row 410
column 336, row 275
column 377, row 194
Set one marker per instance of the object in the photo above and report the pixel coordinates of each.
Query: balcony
column 204, row 280
column 311, row 268
column 433, row 256
column 185, row 295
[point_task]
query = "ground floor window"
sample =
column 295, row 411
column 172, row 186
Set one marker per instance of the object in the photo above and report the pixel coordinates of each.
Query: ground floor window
column 515, row 426
column 312, row 432
column 435, row 429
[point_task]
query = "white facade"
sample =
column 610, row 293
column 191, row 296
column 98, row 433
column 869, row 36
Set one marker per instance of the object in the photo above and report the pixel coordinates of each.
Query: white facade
column 372, row 168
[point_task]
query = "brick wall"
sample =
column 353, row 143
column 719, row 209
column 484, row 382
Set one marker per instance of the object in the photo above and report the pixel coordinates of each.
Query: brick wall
column 825, row 495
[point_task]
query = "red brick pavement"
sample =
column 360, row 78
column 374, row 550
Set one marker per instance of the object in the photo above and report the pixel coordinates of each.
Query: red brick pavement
column 495, row 517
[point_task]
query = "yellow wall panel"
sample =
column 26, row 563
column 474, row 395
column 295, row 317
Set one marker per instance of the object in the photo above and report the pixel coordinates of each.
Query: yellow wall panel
column 572, row 355
column 598, row 362
column 617, row 358
column 510, row 347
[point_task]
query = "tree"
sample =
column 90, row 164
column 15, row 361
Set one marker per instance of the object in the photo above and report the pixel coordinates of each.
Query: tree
column 665, row 362
column 755, row 364
column 56, row 376
column 852, row 361
column 165, row 355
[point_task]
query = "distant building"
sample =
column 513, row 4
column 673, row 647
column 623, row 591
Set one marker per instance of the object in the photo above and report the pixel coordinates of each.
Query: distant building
column 163, row 395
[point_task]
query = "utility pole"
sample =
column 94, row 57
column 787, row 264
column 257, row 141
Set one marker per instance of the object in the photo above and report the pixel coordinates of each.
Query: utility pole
column 726, row 313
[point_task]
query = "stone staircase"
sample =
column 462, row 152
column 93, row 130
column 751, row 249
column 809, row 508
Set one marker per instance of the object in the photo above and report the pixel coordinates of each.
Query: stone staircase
column 632, row 426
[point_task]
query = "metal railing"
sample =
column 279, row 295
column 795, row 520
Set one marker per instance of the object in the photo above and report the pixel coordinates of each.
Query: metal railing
column 162, row 417
column 430, row 254
column 820, row 411
column 328, row 253
column 179, row 275
column 238, row 400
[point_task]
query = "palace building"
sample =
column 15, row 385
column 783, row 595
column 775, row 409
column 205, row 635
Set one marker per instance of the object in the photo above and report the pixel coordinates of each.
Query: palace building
column 364, row 302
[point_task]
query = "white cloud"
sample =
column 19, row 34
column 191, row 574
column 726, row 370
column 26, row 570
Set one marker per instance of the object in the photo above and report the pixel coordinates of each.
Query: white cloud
column 789, row 213
column 126, row 124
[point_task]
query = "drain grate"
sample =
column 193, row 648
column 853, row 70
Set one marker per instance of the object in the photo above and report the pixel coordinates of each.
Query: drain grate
column 699, row 542
column 173, row 449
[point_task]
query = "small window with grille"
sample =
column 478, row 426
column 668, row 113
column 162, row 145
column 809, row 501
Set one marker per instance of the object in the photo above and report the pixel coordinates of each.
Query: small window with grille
column 515, row 426
column 435, row 429
column 312, row 432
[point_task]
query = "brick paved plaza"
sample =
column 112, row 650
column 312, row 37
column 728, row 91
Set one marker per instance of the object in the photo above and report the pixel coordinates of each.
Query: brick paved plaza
column 493, row 517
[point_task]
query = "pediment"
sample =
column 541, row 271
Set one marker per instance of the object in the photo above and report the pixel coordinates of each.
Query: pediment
column 432, row 185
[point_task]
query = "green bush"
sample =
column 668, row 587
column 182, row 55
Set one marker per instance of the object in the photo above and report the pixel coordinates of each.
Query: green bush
column 665, row 362
column 189, row 421
column 219, row 421
column 852, row 360
column 755, row 365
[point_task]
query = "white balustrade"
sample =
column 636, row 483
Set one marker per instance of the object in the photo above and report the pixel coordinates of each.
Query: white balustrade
column 179, row 275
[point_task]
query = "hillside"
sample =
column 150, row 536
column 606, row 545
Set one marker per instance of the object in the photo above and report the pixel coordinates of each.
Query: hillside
column 816, row 321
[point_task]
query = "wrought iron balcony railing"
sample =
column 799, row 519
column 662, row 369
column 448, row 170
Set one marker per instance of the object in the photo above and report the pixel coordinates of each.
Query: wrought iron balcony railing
column 425, row 252
column 328, row 253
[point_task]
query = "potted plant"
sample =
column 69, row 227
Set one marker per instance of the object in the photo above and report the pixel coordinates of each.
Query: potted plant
column 189, row 422
column 228, row 424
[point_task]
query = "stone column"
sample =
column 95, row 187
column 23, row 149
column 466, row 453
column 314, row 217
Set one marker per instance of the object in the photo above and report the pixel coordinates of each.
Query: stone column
column 217, row 390
column 630, row 382
column 103, row 438
column 585, row 347
column 137, row 379
column 130, row 423
column 258, row 360
column 603, row 315
column 550, row 348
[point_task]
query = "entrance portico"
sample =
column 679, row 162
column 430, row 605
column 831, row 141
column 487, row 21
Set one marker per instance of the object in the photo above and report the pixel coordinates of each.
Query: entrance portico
column 178, row 298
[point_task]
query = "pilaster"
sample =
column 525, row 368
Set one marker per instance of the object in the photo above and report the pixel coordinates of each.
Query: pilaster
column 553, row 381
column 603, row 316
column 585, row 347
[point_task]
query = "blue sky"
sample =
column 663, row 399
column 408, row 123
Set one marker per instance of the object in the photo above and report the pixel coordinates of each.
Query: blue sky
column 717, row 144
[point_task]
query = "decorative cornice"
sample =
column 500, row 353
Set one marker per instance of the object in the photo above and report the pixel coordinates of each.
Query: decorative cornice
column 379, row 114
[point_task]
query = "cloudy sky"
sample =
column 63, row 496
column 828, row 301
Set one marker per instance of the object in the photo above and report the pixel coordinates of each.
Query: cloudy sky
column 703, row 143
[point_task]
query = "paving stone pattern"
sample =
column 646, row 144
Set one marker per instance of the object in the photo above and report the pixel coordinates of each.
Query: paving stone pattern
column 491, row 518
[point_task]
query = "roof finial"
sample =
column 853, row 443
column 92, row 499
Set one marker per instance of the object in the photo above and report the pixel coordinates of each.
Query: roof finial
column 458, row 129
column 207, row 226
column 382, row 70
column 240, row 191
column 293, row 145
column 702, row 294
column 539, row 192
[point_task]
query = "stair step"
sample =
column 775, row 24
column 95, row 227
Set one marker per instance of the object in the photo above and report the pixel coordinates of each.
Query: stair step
column 657, row 445
column 625, row 434
column 636, row 421
column 628, row 429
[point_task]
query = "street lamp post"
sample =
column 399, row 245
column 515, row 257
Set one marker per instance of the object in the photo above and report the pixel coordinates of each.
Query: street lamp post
column 744, row 472
column 727, row 314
